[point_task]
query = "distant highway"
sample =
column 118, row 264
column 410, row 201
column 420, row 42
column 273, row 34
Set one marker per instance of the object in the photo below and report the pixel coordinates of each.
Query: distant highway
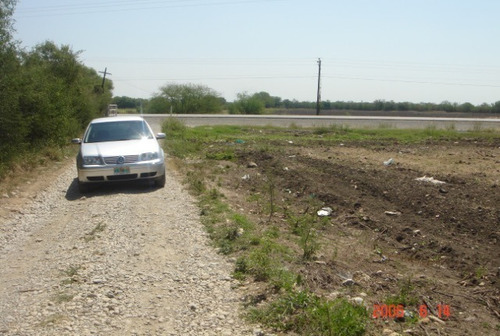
column 459, row 124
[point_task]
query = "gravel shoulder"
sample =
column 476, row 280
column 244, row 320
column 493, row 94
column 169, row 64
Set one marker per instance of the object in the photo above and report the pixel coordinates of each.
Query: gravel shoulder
column 122, row 260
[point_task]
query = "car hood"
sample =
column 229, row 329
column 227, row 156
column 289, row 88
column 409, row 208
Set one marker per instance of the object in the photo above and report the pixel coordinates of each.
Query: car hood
column 119, row 148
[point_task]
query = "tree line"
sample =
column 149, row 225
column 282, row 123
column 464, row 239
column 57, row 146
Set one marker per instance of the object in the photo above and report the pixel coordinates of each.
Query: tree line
column 47, row 95
column 190, row 98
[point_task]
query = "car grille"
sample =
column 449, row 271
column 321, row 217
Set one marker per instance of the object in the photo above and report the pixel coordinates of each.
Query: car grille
column 111, row 160
column 122, row 177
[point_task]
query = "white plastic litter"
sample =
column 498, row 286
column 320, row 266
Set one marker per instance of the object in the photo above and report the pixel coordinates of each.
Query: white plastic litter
column 389, row 162
column 327, row 211
column 392, row 213
column 429, row 180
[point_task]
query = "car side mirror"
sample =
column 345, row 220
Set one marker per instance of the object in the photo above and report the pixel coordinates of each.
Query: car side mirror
column 76, row 141
column 160, row 135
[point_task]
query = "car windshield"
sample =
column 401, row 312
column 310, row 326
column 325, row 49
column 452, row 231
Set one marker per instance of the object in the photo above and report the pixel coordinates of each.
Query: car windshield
column 118, row 131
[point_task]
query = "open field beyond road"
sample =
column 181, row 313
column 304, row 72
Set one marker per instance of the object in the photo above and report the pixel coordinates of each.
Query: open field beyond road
column 459, row 124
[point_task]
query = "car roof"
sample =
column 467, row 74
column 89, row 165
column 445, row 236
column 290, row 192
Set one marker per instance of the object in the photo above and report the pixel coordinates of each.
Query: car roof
column 117, row 118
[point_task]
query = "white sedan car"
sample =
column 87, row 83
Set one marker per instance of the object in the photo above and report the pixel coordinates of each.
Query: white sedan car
column 119, row 149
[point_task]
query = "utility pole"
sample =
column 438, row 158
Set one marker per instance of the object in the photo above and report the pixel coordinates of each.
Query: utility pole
column 105, row 72
column 318, row 98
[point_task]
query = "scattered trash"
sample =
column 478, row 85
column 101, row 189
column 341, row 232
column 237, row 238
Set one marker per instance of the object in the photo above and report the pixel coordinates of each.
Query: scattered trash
column 239, row 141
column 392, row 213
column 252, row 165
column 348, row 282
column 290, row 142
column 327, row 211
column 382, row 259
column 408, row 315
column 285, row 169
column 246, row 177
column 98, row 281
column 429, row 180
column 258, row 332
column 389, row 162
column 240, row 232
column 357, row 300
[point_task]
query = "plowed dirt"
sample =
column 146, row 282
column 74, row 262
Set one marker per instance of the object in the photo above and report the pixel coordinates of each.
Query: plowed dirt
column 387, row 229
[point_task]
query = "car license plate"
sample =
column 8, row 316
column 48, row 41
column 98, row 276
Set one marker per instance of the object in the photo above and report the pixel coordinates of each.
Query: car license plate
column 122, row 170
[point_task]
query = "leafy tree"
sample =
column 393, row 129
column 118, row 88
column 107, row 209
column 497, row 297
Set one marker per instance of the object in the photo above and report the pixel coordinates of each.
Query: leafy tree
column 484, row 108
column 128, row 102
column 158, row 105
column 191, row 98
column 6, row 10
column 495, row 108
column 268, row 100
column 58, row 98
column 246, row 104
column 466, row 107
column 12, row 127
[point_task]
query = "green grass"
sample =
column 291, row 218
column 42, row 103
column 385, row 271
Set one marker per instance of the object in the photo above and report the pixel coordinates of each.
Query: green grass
column 405, row 297
column 28, row 160
column 184, row 141
column 95, row 231
column 62, row 297
column 307, row 314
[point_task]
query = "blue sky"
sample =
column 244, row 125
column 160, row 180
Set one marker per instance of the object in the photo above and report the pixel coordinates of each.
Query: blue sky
column 401, row 50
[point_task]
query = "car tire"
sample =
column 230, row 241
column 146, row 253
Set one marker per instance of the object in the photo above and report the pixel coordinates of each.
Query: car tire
column 160, row 181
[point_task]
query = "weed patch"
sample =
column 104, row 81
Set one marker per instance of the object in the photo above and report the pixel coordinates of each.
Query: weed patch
column 95, row 231
column 405, row 297
column 62, row 297
column 307, row 314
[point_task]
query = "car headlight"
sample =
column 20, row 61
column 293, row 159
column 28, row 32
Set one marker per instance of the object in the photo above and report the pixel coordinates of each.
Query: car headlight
column 92, row 160
column 149, row 156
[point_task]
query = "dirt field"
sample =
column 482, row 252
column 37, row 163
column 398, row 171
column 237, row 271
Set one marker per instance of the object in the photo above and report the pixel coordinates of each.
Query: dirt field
column 396, row 237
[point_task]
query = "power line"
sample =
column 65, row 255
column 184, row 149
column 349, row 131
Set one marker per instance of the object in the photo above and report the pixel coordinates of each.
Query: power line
column 124, row 6
column 272, row 77
column 492, row 71
column 413, row 81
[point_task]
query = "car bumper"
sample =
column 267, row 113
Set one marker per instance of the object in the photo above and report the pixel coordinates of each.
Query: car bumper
column 127, row 172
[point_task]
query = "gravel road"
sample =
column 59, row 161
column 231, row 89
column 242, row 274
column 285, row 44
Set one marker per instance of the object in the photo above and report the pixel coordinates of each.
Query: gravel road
column 122, row 260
